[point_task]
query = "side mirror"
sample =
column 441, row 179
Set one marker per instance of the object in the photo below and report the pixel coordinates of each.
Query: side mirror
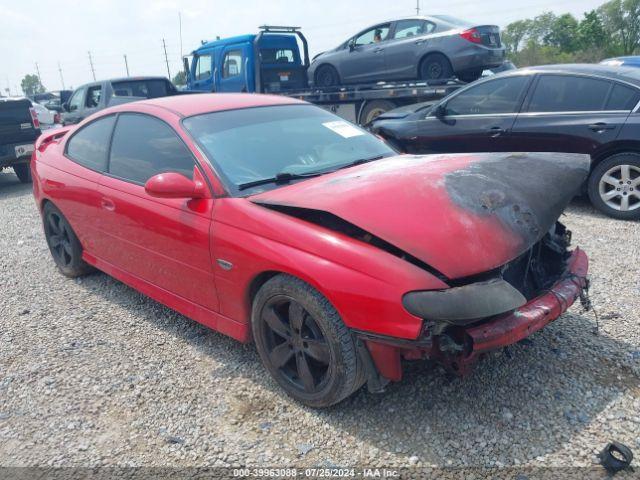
column 440, row 111
column 65, row 106
column 352, row 45
column 185, row 65
column 174, row 185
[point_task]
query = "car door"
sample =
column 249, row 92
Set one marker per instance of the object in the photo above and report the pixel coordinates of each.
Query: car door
column 234, row 69
column 477, row 119
column 363, row 59
column 76, row 190
column 405, row 47
column 75, row 107
column 571, row 113
column 203, row 72
column 164, row 242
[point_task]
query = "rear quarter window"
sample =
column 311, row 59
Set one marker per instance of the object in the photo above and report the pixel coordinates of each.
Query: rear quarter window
column 558, row 93
column 89, row 145
column 622, row 98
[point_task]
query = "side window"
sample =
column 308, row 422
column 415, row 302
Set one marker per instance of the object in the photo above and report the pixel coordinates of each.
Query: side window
column 89, row 146
column 232, row 64
column 491, row 97
column 144, row 146
column 93, row 97
column 622, row 98
column 412, row 28
column 557, row 93
column 203, row 67
column 374, row 35
column 75, row 102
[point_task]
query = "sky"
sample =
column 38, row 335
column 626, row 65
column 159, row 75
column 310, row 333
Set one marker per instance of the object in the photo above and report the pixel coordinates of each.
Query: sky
column 58, row 35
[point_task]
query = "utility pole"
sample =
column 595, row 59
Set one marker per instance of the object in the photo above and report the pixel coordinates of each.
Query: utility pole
column 38, row 71
column 180, row 27
column 93, row 72
column 61, row 77
column 166, row 58
column 126, row 64
column 417, row 7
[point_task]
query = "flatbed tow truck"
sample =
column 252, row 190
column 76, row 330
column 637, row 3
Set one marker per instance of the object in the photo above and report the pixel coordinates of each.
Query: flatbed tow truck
column 271, row 62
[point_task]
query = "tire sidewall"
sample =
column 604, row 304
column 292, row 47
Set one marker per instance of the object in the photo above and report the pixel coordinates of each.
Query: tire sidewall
column 441, row 60
column 330, row 71
column 23, row 172
column 77, row 266
column 593, row 185
column 341, row 380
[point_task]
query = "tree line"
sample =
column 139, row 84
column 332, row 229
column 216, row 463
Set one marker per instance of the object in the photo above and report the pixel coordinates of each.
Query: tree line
column 611, row 30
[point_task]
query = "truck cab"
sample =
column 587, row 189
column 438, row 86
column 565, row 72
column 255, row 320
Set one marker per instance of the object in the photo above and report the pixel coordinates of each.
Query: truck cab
column 267, row 62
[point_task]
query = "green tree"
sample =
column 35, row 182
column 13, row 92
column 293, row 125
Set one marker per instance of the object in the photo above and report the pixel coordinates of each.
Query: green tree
column 621, row 20
column 514, row 34
column 180, row 78
column 591, row 32
column 541, row 27
column 31, row 85
column 563, row 33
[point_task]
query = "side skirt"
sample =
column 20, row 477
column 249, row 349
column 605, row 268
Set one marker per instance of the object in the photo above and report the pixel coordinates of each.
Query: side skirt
column 209, row 318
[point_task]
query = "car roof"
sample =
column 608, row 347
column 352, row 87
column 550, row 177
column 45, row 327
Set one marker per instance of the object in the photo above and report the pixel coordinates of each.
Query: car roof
column 186, row 105
column 621, row 73
column 123, row 79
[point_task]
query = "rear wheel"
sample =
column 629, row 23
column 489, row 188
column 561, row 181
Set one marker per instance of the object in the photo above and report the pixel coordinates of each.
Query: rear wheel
column 303, row 342
column 23, row 172
column 374, row 109
column 435, row 67
column 614, row 186
column 63, row 243
column 327, row 76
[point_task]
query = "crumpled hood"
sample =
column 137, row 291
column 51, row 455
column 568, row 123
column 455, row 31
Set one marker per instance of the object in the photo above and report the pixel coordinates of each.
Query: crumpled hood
column 461, row 214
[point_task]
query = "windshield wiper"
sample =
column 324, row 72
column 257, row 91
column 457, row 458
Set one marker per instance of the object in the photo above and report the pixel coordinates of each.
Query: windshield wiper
column 360, row 161
column 282, row 177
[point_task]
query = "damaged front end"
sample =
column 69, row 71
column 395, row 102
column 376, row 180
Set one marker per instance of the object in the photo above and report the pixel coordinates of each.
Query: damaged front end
column 490, row 311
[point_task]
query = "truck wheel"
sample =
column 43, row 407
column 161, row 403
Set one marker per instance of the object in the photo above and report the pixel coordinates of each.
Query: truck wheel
column 372, row 110
column 435, row 67
column 63, row 243
column 469, row 77
column 23, row 172
column 327, row 76
column 614, row 186
column 304, row 344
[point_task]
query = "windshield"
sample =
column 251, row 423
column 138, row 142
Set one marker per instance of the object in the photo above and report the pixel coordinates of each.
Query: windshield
column 255, row 144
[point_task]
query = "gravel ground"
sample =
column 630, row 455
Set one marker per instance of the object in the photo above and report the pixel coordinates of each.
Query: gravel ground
column 93, row 373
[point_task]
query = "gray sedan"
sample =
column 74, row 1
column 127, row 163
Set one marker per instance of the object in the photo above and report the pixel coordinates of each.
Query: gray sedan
column 426, row 48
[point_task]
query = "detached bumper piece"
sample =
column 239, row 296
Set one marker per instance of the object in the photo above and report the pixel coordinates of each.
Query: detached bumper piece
column 461, row 346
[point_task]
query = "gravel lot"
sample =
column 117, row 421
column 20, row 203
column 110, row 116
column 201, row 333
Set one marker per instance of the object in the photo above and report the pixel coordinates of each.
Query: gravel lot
column 93, row 373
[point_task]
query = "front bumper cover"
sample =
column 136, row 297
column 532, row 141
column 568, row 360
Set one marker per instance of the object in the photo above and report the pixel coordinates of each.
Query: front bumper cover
column 497, row 332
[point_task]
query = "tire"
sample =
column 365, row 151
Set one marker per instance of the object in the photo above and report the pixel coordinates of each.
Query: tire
column 288, row 317
column 614, row 186
column 23, row 172
column 327, row 76
column 435, row 66
column 373, row 109
column 469, row 77
column 63, row 243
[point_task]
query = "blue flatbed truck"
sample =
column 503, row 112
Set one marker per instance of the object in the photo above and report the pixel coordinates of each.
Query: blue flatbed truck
column 272, row 61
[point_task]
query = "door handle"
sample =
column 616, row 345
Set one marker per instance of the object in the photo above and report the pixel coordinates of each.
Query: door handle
column 378, row 50
column 496, row 131
column 419, row 42
column 601, row 127
column 107, row 204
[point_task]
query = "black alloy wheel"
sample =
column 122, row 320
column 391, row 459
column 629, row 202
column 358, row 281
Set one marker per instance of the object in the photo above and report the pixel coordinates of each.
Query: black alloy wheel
column 63, row 243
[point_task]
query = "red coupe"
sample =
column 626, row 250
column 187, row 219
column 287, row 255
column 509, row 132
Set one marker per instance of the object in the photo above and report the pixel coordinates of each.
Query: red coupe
column 270, row 219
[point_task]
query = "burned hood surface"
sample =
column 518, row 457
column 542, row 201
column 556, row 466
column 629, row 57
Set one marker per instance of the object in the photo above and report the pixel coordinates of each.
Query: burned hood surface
column 462, row 214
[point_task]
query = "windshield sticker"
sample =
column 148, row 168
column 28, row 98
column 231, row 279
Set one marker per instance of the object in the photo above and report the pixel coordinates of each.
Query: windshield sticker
column 344, row 129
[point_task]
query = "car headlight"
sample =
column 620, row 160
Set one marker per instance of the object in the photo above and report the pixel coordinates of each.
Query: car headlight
column 465, row 304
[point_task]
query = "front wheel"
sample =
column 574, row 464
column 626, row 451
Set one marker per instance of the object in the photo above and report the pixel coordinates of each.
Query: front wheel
column 23, row 172
column 303, row 342
column 614, row 186
column 435, row 67
column 327, row 76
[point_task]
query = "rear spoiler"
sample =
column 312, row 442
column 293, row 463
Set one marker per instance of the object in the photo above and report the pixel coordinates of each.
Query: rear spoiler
column 51, row 136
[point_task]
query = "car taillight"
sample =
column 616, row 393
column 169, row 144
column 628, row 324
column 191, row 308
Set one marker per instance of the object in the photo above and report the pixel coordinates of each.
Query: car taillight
column 472, row 35
column 56, row 117
column 34, row 118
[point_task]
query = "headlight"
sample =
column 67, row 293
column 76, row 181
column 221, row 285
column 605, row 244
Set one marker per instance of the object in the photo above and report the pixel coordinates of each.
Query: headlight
column 462, row 305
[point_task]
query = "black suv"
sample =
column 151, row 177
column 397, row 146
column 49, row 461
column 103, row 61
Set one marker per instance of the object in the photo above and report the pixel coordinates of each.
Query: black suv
column 19, row 129
column 592, row 109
